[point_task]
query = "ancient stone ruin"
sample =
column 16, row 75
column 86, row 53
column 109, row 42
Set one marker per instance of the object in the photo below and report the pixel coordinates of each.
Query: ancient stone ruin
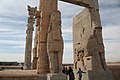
column 29, row 32
column 88, row 45
column 89, row 54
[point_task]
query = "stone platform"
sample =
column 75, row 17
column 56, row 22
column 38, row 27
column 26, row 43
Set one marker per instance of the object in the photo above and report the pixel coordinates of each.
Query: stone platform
column 21, row 75
column 29, row 75
column 97, row 75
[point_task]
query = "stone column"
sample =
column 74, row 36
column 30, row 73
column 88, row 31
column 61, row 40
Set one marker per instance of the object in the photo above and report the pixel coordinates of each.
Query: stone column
column 54, row 40
column 29, row 34
column 35, row 55
column 55, row 43
column 43, row 62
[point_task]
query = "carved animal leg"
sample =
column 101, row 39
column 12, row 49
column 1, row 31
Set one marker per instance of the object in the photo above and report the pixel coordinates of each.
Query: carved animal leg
column 82, row 63
column 103, row 61
column 53, row 58
column 60, row 61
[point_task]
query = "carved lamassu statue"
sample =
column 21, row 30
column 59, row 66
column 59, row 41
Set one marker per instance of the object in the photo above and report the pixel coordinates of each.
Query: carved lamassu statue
column 95, row 49
column 92, row 52
column 55, row 43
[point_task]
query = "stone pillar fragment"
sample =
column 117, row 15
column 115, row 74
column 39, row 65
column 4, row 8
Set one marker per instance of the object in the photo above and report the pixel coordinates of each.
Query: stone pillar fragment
column 29, row 32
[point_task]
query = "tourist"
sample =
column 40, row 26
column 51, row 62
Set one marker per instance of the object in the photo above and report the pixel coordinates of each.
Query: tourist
column 80, row 74
column 65, row 70
column 71, row 74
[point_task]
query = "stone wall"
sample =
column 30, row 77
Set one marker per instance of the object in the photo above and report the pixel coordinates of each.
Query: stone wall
column 89, row 54
column 87, row 41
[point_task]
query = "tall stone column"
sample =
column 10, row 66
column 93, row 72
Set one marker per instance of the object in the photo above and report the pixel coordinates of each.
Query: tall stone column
column 49, row 13
column 29, row 34
column 35, row 55
column 45, row 12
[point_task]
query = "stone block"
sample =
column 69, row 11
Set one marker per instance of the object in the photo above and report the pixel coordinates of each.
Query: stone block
column 97, row 75
column 56, row 77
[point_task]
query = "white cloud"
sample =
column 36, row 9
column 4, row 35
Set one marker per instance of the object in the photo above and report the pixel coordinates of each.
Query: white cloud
column 11, row 57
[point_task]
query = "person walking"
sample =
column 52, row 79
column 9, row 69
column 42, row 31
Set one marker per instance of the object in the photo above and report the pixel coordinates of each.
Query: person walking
column 80, row 74
column 71, row 74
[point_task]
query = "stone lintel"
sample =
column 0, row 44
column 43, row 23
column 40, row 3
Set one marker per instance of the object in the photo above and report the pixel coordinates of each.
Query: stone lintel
column 76, row 2
column 84, row 3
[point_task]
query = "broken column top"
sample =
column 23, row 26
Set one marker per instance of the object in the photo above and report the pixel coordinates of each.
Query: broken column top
column 31, row 10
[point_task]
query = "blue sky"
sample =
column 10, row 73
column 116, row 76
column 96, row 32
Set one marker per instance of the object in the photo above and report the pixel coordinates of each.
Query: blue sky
column 13, row 21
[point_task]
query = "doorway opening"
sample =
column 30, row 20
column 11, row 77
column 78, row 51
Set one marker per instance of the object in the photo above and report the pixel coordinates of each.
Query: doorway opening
column 68, row 11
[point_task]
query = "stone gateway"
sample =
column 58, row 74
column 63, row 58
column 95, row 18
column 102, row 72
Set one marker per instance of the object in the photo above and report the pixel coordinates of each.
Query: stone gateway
column 89, row 54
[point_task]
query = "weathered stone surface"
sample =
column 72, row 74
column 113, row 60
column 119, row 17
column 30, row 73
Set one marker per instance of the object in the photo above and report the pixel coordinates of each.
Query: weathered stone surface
column 45, row 12
column 55, row 43
column 97, row 75
column 84, row 3
column 31, row 11
column 88, row 44
column 29, row 32
column 42, row 65
column 49, row 37
column 35, row 55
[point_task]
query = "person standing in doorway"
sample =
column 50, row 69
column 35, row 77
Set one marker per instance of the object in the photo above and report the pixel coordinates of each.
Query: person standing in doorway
column 80, row 74
column 71, row 74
